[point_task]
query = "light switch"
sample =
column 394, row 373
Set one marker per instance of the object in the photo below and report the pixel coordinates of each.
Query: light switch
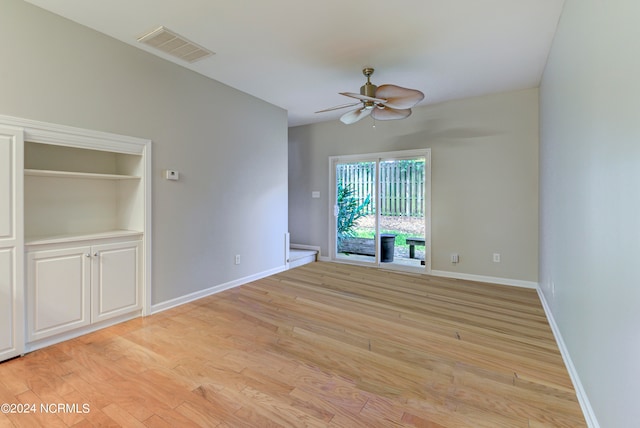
column 315, row 194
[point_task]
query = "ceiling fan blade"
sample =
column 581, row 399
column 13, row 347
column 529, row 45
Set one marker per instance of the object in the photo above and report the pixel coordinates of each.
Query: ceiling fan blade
column 398, row 97
column 390, row 113
column 338, row 107
column 355, row 115
column 363, row 97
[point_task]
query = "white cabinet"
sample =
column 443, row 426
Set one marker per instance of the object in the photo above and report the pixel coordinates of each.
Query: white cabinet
column 80, row 202
column 11, row 244
column 75, row 285
column 115, row 280
column 58, row 292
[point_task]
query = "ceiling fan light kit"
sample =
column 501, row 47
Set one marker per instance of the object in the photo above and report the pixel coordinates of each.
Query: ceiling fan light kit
column 385, row 102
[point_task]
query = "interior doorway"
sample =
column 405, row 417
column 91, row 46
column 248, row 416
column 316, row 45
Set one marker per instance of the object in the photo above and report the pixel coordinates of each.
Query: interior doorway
column 380, row 209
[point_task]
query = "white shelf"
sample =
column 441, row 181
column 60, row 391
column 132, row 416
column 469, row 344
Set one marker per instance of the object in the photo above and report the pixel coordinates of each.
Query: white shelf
column 57, row 239
column 69, row 174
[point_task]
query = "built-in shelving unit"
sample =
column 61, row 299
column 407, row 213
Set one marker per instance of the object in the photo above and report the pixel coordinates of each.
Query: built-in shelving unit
column 73, row 193
column 75, row 232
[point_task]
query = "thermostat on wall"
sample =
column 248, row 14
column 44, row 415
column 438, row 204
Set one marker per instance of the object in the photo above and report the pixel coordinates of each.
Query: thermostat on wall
column 171, row 174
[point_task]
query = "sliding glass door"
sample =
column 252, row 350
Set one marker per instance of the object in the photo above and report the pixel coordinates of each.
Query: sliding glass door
column 381, row 209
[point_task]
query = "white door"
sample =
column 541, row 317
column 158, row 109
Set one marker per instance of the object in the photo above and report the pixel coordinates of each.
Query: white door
column 115, row 279
column 11, row 243
column 58, row 291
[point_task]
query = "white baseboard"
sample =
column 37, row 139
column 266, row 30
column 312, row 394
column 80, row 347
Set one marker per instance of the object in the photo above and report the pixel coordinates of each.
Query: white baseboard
column 482, row 278
column 305, row 247
column 470, row 277
column 302, row 261
column 163, row 306
column 583, row 399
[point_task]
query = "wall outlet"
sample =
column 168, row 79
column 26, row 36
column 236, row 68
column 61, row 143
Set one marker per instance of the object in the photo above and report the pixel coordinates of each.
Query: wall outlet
column 171, row 174
column 496, row 257
column 455, row 258
column 237, row 259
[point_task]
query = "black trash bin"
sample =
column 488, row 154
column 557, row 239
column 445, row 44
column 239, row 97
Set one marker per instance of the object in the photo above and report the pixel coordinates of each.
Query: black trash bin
column 387, row 247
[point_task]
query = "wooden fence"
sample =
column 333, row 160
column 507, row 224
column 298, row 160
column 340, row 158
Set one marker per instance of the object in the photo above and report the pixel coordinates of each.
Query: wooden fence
column 401, row 185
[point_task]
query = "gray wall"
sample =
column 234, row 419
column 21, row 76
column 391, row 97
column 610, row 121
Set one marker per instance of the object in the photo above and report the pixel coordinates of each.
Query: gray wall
column 484, row 179
column 590, row 200
column 229, row 147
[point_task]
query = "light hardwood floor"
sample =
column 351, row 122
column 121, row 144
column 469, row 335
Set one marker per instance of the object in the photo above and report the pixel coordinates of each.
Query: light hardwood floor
column 320, row 345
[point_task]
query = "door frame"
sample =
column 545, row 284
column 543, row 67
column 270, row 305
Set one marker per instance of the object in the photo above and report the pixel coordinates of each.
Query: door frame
column 378, row 157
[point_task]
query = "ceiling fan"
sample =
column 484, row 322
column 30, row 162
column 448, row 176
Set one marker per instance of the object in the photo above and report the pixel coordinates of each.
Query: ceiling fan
column 385, row 102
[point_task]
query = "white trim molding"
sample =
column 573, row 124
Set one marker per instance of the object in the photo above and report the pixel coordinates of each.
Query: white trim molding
column 454, row 275
column 163, row 306
column 581, row 394
column 62, row 135
column 489, row 279
column 305, row 247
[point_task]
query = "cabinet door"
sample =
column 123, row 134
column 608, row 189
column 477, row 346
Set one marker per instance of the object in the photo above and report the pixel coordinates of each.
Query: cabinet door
column 116, row 280
column 58, row 291
column 11, row 243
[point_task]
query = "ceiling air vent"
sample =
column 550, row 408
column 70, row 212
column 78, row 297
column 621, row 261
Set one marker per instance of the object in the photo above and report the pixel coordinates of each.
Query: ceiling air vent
column 174, row 44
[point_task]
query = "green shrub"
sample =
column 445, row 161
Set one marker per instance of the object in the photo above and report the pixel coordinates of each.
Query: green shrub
column 350, row 209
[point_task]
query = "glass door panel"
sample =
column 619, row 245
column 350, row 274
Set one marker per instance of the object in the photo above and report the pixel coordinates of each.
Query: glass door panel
column 355, row 211
column 401, row 212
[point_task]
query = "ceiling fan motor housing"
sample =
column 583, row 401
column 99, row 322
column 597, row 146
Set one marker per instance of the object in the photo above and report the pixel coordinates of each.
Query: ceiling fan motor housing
column 368, row 89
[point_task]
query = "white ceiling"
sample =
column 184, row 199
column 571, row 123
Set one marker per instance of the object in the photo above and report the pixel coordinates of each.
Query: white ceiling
column 298, row 54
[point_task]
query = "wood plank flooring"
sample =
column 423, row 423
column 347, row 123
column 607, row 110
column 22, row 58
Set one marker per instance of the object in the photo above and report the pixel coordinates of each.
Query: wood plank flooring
column 322, row 345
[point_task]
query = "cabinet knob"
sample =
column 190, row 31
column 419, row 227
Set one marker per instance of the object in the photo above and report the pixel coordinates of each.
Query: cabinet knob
column 95, row 254
column 87, row 255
